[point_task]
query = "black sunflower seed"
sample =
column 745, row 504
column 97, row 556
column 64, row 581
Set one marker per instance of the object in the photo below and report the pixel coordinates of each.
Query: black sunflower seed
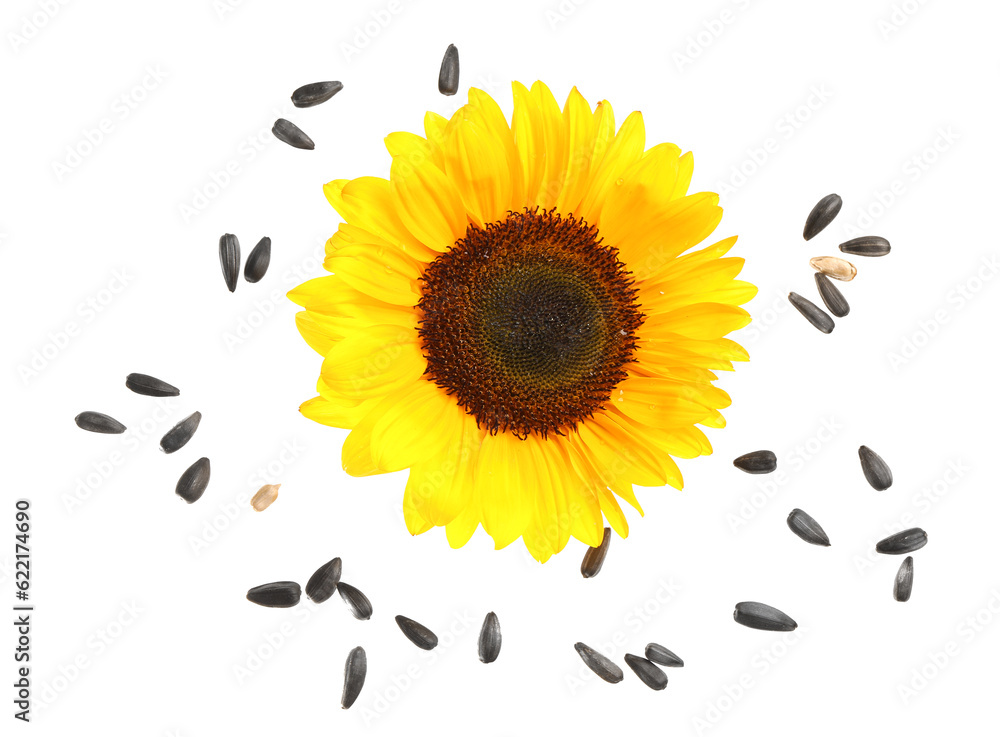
column 323, row 582
column 287, row 132
column 593, row 559
column 416, row 633
column 229, row 257
column 355, row 670
column 448, row 76
column 660, row 654
column 816, row 317
column 96, row 422
column 763, row 617
column 357, row 602
column 490, row 639
column 807, row 528
column 902, row 587
column 876, row 470
column 193, row 482
column 902, row 542
column 648, row 673
column 822, row 215
column 866, row 245
column 258, row 261
column 831, row 296
column 315, row 93
column 281, row 594
column 601, row 665
column 759, row 461
column 150, row 386
column 178, row 436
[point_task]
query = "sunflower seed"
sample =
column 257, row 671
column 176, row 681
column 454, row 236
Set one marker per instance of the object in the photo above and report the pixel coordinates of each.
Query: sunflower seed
column 763, row 617
column 323, row 582
column 902, row 542
column 355, row 671
column 807, row 528
column 448, row 76
column 258, row 261
column 816, row 317
column 836, row 268
column 876, row 470
column 593, row 559
column 281, row 594
column 490, row 639
column 759, row 461
column 822, row 215
column 229, row 257
column 150, row 386
column 357, row 602
column 193, row 482
column 831, row 296
column 287, row 132
column 96, row 422
column 315, row 93
column 903, row 585
column 648, row 673
column 601, row 665
column 178, row 436
column 264, row 497
column 866, row 245
column 417, row 633
column 660, row 654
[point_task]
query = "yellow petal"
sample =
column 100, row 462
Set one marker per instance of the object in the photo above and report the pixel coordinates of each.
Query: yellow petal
column 428, row 202
column 373, row 362
column 385, row 273
column 441, row 486
column 506, row 481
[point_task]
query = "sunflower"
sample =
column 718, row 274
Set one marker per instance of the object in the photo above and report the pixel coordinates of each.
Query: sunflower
column 517, row 317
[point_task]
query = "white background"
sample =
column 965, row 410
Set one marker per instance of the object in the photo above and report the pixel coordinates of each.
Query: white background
column 892, row 105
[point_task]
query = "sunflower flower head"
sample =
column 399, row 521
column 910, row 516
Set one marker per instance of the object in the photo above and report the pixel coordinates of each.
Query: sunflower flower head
column 519, row 317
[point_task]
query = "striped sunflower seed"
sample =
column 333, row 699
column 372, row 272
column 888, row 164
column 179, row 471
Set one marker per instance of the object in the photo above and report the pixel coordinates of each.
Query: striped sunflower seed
column 759, row 616
column 902, row 587
column 416, row 633
column 835, row 268
column 490, row 639
column 660, row 654
column 315, row 93
column 287, row 132
column 876, row 470
column 229, row 257
column 179, row 435
column 648, row 673
column 903, row 542
column 822, row 215
column 281, row 594
column 355, row 670
column 807, row 528
column 264, row 497
column 323, row 582
column 150, row 386
column 759, row 461
column 96, row 422
column 357, row 602
column 593, row 559
column 193, row 482
column 601, row 665
column 816, row 317
column 258, row 261
column 866, row 245
column 831, row 296
column 448, row 76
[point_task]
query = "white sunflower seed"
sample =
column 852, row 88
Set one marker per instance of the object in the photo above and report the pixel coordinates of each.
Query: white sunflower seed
column 490, row 639
column 903, row 542
column 822, row 215
column 660, row 654
column 593, row 559
column 875, row 469
column 315, row 93
column 866, row 245
column 355, row 670
column 416, row 633
column 902, row 587
column 601, row 665
column 834, row 267
column 264, row 497
column 178, row 436
column 281, row 594
column 831, row 296
column 150, row 386
column 648, row 673
column 816, row 317
column 759, row 461
column 759, row 616
column 193, row 482
column 807, row 528
column 96, row 422
column 357, row 602
column 287, row 132
column 448, row 76
column 323, row 582
column 229, row 257
column 258, row 261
